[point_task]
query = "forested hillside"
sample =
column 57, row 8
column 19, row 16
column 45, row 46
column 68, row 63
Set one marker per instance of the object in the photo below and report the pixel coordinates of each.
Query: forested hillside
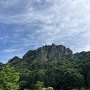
column 55, row 66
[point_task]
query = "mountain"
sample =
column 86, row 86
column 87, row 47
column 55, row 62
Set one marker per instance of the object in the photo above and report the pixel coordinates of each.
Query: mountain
column 55, row 65
column 47, row 53
column 14, row 60
column 50, row 52
column 82, row 56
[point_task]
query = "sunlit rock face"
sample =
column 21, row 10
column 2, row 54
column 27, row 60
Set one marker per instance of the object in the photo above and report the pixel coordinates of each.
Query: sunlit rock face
column 48, row 52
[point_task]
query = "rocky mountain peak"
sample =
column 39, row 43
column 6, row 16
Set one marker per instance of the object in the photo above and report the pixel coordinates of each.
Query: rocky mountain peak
column 48, row 52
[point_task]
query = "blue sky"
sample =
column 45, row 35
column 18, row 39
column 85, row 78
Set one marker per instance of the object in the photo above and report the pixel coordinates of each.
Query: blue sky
column 29, row 24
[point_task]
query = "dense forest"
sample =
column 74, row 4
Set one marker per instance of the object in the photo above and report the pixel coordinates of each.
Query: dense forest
column 51, row 67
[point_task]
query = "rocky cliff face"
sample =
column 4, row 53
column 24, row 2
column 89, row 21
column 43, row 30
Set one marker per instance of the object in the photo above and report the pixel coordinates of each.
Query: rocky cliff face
column 50, row 52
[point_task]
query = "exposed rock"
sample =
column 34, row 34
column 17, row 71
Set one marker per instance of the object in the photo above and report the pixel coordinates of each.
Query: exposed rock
column 50, row 52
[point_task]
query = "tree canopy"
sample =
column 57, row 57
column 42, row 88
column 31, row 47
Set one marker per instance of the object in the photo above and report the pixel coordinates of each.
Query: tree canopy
column 9, row 79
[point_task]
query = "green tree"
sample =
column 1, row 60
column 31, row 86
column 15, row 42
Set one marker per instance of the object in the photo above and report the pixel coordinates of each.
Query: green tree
column 68, row 79
column 72, row 79
column 9, row 79
column 40, row 75
column 85, row 68
column 50, row 88
column 39, row 85
column 88, row 79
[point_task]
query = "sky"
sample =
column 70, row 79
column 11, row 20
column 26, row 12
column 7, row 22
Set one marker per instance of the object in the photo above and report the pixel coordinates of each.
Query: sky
column 29, row 24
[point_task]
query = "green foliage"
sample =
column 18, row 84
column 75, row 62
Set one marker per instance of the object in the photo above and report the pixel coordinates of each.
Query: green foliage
column 39, row 85
column 88, row 79
column 9, row 79
column 62, row 73
column 85, row 89
column 49, row 88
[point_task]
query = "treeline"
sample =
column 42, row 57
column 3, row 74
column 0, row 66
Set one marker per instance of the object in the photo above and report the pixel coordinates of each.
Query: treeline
column 61, row 75
column 64, row 74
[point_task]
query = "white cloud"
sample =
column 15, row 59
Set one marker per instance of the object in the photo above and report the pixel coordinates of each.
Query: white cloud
column 12, row 50
column 8, row 3
column 9, row 50
column 61, row 21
